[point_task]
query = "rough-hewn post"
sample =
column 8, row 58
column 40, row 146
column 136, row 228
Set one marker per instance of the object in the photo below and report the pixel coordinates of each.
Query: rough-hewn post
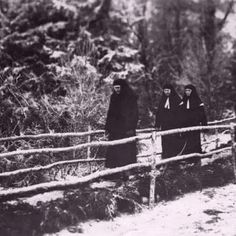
column 232, row 131
column 217, row 138
column 152, row 172
column 89, row 140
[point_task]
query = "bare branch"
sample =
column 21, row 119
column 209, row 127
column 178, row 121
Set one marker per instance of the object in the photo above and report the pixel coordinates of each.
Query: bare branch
column 229, row 9
column 4, row 19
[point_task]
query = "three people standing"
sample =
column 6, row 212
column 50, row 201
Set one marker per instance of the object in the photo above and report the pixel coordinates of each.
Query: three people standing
column 173, row 112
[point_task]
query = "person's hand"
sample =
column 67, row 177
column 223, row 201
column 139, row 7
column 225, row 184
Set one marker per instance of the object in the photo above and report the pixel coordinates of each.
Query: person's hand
column 130, row 132
column 106, row 134
column 204, row 138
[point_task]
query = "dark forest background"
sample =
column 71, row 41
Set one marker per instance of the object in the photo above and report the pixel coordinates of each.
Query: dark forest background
column 59, row 58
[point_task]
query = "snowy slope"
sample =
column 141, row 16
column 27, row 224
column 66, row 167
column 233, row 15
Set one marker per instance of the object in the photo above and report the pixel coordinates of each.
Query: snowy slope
column 207, row 213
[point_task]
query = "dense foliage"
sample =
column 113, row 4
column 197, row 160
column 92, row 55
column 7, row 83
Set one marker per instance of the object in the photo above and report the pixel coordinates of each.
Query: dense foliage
column 58, row 58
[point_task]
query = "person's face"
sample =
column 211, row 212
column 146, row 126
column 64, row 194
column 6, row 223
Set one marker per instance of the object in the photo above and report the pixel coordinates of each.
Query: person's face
column 167, row 92
column 188, row 92
column 117, row 89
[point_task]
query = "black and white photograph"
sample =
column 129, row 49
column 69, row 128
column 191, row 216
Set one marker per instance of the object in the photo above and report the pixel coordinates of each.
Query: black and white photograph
column 118, row 117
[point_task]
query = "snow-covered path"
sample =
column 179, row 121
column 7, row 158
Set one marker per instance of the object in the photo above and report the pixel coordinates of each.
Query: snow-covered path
column 210, row 212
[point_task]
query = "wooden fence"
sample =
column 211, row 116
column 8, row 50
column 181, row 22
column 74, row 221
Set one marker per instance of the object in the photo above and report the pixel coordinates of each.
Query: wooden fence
column 151, row 166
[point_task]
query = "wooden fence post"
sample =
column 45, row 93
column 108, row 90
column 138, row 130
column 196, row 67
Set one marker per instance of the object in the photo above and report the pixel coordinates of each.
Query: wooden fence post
column 217, row 138
column 89, row 141
column 232, row 131
column 89, row 149
column 152, row 172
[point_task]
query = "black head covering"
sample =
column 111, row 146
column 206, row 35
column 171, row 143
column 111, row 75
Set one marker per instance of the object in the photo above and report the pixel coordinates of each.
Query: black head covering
column 168, row 86
column 119, row 82
column 194, row 99
column 125, row 89
column 192, row 87
column 174, row 97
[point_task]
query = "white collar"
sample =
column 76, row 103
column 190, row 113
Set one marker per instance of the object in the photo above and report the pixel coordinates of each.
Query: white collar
column 167, row 104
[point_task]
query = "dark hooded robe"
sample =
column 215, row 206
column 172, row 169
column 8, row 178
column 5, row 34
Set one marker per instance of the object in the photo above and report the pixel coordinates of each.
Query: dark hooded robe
column 121, row 122
column 167, row 118
column 192, row 114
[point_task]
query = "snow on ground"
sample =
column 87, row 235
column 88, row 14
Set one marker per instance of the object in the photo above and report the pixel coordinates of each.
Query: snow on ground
column 207, row 213
column 44, row 197
column 209, row 141
column 145, row 146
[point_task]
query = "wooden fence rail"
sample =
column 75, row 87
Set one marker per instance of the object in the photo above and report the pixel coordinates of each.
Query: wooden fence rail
column 108, row 143
column 62, row 185
column 90, row 133
column 52, row 135
column 87, row 133
column 47, row 167
column 6, row 195
column 222, row 121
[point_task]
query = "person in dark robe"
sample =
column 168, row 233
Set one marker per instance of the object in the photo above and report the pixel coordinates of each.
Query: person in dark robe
column 121, row 122
column 192, row 114
column 167, row 118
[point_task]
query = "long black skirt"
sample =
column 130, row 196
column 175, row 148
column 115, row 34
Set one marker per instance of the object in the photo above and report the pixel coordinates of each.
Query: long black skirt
column 122, row 154
column 192, row 142
column 171, row 145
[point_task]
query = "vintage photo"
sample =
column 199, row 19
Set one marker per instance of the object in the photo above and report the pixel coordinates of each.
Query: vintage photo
column 117, row 117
